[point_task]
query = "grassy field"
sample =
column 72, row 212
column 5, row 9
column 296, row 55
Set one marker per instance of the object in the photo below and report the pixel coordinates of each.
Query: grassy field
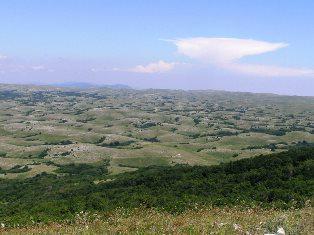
column 137, row 128
column 199, row 220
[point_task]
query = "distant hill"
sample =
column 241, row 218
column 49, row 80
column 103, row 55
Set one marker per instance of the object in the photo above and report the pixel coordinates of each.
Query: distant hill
column 86, row 85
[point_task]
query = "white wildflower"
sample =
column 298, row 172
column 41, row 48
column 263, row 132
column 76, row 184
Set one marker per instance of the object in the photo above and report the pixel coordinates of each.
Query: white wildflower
column 281, row 231
column 236, row 226
column 221, row 224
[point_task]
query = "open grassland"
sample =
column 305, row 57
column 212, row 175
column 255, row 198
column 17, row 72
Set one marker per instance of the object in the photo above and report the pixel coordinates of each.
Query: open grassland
column 48, row 127
column 199, row 220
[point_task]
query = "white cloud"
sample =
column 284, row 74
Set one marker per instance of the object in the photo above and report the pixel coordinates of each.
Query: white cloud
column 155, row 67
column 3, row 57
column 222, row 50
column 226, row 53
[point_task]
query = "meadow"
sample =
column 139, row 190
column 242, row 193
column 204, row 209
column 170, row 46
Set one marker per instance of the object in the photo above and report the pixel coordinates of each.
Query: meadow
column 42, row 127
column 194, row 221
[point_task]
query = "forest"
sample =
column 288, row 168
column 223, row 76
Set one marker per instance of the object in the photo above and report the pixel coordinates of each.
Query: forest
column 280, row 180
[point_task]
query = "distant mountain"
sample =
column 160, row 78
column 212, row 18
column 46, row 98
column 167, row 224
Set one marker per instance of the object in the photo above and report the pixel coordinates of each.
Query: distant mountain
column 86, row 85
column 118, row 86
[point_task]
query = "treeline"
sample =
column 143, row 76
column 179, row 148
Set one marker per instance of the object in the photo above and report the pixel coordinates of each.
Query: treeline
column 279, row 180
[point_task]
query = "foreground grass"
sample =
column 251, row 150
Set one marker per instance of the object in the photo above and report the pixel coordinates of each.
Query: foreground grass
column 195, row 221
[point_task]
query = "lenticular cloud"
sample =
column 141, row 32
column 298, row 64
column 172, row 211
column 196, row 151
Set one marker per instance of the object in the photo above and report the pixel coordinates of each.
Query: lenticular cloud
column 223, row 49
column 226, row 53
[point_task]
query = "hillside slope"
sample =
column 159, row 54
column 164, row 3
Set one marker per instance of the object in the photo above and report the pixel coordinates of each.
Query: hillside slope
column 280, row 180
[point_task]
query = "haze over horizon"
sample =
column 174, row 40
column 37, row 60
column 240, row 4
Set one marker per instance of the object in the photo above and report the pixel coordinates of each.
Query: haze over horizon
column 251, row 46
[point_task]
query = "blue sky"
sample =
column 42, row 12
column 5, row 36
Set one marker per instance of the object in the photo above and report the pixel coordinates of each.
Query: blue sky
column 258, row 46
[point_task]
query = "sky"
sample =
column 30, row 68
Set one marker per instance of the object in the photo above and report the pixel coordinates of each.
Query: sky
column 244, row 45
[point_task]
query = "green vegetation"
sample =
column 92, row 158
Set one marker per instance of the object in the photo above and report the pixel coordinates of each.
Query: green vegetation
column 117, row 144
column 282, row 180
column 146, row 161
column 70, row 125
column 3, row 154
column 81, row 169
column 15, row 169
column 142, row 162
column 198, row 220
